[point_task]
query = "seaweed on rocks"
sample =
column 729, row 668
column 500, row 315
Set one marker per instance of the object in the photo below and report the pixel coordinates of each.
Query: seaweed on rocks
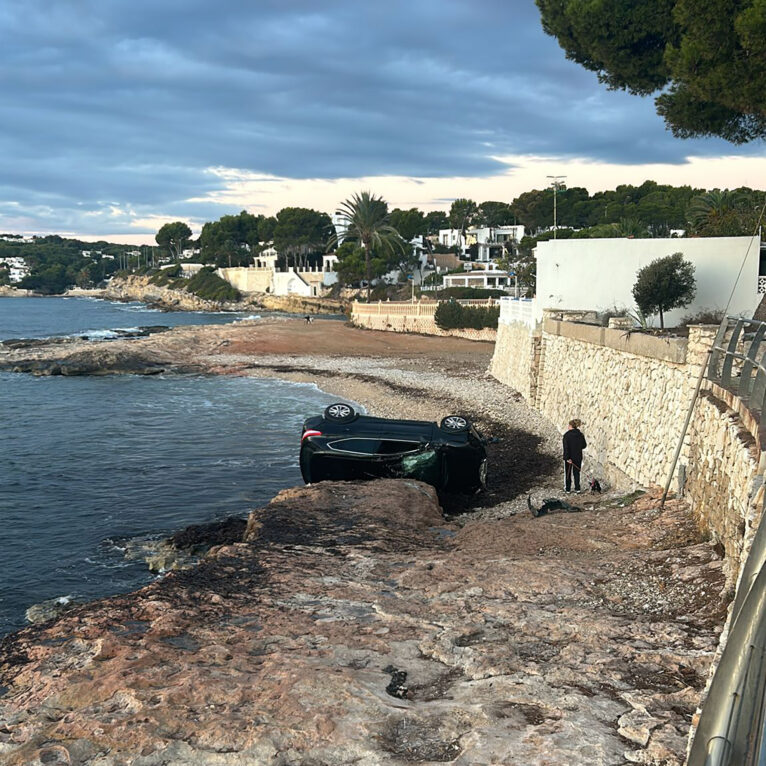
column 197, row 538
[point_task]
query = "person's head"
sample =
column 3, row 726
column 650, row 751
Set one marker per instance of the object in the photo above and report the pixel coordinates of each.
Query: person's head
column 575, row 423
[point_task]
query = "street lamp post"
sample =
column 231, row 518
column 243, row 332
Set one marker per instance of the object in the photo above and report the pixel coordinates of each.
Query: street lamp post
column 557, row 182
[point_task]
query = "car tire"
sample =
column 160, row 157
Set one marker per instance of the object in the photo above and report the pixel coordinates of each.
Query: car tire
column 455, row 424
column 340, row 413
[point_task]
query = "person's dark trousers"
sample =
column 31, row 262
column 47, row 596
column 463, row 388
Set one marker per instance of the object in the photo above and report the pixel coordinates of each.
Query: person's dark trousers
column 572, row 469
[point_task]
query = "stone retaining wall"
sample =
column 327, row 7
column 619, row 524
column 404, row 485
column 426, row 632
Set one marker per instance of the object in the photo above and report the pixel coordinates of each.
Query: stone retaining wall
column 724, row 474
column 632, row 392
column 516, row 358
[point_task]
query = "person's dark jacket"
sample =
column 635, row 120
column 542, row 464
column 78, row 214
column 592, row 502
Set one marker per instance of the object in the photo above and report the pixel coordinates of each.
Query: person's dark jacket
column 574, row 444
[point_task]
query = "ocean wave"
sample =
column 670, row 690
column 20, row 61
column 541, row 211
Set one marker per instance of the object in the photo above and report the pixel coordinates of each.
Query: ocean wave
column 247, row 318
column 142, row 307
column 117, row 332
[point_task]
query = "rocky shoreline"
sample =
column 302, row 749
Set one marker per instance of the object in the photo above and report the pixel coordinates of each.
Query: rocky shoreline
column 355, row 623
column 140, row 288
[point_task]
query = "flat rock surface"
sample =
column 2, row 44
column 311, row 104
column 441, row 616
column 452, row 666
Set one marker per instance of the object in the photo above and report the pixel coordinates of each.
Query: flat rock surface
column 353, row 624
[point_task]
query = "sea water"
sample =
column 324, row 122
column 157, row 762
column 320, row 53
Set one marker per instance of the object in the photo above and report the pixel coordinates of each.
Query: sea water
column 87, row 464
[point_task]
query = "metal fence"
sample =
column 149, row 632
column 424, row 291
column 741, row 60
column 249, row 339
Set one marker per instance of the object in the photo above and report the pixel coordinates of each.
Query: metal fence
column 732, row 727
column 738, row 361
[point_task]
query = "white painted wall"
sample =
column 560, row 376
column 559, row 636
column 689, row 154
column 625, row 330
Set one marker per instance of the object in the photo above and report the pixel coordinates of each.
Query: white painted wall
column 599, row 274
column 289, row 283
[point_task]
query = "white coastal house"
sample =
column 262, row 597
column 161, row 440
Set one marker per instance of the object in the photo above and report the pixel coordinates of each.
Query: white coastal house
column 599, row 274
column 451, row 238
column 494, row 241
column 491, row 241
column 17, row 268
column 489, row 278
column 264, row 276
column 188, row 270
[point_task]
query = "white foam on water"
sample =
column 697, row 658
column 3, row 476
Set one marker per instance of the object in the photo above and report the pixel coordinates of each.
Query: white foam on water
column 117, row 332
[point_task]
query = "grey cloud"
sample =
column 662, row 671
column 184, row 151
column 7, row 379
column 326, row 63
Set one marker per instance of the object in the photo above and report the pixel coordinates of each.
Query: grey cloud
column 131, row 101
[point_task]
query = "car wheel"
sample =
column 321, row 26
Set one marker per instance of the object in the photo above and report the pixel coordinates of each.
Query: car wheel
column 339, row 413
column 454, row 424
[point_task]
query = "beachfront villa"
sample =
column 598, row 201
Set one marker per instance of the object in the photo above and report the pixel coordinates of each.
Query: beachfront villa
column 265, row 276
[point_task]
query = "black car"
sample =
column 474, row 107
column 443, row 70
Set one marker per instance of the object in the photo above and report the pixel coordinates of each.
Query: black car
column 342, row 444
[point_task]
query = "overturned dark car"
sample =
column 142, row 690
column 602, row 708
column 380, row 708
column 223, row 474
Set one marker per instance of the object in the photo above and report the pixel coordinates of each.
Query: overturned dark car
column 344, row 445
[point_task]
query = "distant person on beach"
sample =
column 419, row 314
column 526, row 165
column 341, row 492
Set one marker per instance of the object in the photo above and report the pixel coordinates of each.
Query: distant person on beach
column 309, row 320
column 574, row 444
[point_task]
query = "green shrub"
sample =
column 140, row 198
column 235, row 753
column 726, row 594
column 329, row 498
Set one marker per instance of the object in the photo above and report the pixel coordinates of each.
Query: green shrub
column 170, row 277
column 451, row 315
column 208, row 285
column 468, row 293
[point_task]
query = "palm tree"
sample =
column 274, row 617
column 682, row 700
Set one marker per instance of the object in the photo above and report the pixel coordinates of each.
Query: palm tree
column 631, row 228
column 718, row 213
column 366, row 219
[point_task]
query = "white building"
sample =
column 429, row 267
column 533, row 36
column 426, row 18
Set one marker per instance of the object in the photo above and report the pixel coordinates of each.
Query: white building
column 492, row 241
column 329, row 269
column 423, row 268
column 599, row 274
column 451, row 238
column 17, row 268
column 340, row 222
column 485, row 279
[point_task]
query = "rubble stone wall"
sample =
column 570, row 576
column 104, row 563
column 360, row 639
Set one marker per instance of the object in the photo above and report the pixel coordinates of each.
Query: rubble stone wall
column 632, row 393
column 632, row 406
column 516, row 358
column 724, row 474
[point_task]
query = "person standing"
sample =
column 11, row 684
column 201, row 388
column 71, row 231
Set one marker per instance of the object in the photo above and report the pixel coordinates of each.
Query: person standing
column 574, row 444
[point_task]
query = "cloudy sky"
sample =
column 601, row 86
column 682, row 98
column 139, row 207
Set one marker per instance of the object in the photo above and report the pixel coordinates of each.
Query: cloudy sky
column 119, row 115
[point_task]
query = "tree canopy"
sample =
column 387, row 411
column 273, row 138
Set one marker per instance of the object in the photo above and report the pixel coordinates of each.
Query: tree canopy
column 708, row 59
column 435, row 220
column 666, row 283
column 230, row 240
column 495, row 214
column 409, row 223
column 300, row 231
column 462, row 214
column 172, row 237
